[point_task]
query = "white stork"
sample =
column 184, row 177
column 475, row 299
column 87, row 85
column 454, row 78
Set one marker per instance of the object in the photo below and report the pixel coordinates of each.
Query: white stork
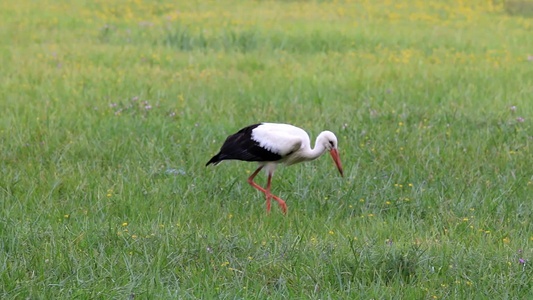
column 270, row 144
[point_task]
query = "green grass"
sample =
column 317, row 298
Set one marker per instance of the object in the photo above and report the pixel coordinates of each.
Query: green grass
column 103, row 198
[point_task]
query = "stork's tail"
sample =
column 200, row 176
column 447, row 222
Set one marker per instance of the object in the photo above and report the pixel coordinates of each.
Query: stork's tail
column 214, row 160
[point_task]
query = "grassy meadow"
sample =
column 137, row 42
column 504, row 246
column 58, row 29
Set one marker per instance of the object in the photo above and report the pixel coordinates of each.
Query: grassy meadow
column 109, row 111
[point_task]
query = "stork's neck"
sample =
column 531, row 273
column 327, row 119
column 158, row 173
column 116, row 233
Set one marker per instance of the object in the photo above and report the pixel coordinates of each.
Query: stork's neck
column 319, row 149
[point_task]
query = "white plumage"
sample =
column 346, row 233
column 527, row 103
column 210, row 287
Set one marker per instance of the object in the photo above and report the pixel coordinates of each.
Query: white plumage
column 280, row 138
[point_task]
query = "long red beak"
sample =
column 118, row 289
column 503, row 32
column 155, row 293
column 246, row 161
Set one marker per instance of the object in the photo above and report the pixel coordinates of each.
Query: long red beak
column 335, row 155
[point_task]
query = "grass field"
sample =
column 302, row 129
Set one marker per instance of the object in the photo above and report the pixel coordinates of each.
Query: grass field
column 109, row 111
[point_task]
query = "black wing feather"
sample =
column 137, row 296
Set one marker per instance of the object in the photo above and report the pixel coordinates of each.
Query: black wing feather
column 240, row 146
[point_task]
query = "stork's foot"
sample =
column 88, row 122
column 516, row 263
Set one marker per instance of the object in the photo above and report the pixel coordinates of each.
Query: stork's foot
column 282, row 203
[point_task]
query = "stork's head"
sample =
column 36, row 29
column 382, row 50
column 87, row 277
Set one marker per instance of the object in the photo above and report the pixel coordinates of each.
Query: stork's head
column 330, row 143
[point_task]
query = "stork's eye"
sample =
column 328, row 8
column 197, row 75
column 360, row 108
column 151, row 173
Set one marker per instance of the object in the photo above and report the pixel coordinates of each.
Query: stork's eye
column 331, row 143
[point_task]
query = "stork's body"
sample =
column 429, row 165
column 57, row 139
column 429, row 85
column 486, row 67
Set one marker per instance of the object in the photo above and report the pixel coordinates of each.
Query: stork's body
column 270, row 144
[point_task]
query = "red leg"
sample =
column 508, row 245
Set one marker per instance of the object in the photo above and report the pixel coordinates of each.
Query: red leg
column 267, row 192
column 251, row 180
